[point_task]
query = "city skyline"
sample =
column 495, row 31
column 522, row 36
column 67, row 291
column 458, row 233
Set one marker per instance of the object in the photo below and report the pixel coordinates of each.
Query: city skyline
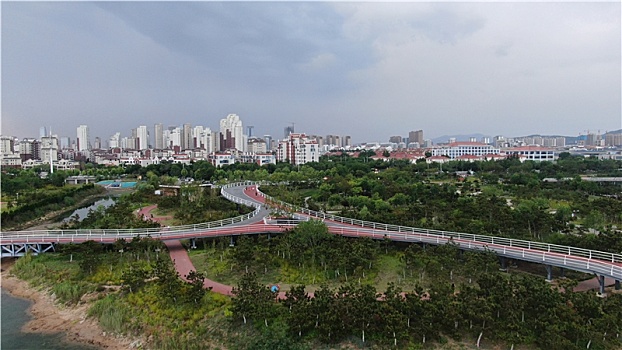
column 370, row 70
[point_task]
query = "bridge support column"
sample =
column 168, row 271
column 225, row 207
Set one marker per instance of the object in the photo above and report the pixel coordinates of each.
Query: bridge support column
column 617, row 285
column 194, row 243
column 231, row 242
column 562, row 272
column 549, row 273
column 504, row 264
column 601, row 285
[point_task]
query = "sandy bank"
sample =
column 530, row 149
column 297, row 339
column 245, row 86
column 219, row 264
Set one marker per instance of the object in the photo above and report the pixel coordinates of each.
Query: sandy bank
column 50, row 317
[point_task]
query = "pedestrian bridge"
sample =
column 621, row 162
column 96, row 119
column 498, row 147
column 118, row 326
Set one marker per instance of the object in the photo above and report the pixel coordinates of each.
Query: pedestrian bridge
column 602, row 264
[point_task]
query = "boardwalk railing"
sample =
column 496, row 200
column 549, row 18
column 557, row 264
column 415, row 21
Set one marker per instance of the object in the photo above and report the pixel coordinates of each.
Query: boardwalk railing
column 86, row 234
column 572, row 257
column 445, row 235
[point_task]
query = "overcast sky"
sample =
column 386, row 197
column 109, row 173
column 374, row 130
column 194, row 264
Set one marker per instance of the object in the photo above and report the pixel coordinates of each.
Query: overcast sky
column 369, row 70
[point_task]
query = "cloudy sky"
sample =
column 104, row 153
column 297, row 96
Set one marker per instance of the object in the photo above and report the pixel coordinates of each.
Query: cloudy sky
column 370, row 70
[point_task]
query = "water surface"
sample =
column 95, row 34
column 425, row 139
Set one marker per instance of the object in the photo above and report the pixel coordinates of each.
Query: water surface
column 14, row 316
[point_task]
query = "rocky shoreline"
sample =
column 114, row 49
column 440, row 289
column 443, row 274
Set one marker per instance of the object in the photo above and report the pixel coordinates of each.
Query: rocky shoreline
column 49, row 317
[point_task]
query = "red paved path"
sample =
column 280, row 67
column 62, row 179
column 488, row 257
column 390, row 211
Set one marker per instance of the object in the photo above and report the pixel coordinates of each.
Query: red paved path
column 591, row 284
column 183, row 265
column 182, row 262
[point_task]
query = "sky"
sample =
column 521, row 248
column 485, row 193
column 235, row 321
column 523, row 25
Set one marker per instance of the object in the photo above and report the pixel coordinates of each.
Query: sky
column 370, row 70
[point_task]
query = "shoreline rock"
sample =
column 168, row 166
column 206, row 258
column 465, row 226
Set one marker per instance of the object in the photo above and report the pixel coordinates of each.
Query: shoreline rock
column 50, row 318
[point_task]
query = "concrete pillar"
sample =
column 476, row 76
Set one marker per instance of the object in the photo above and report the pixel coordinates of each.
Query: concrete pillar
column 549, row 273
column 504, row 264
column 232, row 242
column 617, row 285
column 601, row 285
column 194, row 243
column 562, row 272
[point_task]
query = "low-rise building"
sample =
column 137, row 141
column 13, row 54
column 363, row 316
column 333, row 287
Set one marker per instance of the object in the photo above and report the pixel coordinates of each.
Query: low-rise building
column 534, row 153
column 456, row 149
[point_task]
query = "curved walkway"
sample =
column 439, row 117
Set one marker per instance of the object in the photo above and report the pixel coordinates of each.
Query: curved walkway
column 145, row 213
column 183, row 264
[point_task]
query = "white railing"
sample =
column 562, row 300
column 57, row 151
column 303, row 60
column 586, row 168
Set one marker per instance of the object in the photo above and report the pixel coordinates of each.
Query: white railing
column 519, row 243
column 572, row 257
column 82, row 234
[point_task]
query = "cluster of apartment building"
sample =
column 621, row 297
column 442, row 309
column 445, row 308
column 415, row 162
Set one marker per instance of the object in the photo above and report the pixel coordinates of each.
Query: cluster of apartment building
column 229, row 145
column 178, row 144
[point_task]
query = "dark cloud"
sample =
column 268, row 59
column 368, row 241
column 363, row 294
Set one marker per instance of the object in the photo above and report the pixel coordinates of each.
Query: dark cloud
column 366, row 69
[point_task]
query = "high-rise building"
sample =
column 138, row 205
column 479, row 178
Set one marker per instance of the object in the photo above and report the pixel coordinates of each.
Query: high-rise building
column 613, row 139
column 143, row 137
column 49, row 149
column 209, row 140
column 42, row 132
column 395, row 139
column 7, row 145
column 416, row 136
column 232, row 133
column 83, row 138
column 98, row 143
column 268, row 140
column 298, row 149
column 288, row 130
column 187, row 139
column 158, row 132
column 29, row 149
column 347, row 141
column 333, row 141
column 114, row 141
column 175, row 138
column 65, row 142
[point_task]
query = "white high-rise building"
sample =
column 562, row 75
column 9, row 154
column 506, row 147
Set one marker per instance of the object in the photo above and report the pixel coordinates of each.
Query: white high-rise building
column 83, row 138
column 158, row 132
column 197, row 135
column 7, row 145
column 143, row 137
column 175, row 138
column 49, row 149
column 232, row 133
column 210, row 140
column 113, row 142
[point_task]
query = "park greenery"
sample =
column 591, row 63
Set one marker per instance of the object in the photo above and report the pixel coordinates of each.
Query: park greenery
column 362, row 292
